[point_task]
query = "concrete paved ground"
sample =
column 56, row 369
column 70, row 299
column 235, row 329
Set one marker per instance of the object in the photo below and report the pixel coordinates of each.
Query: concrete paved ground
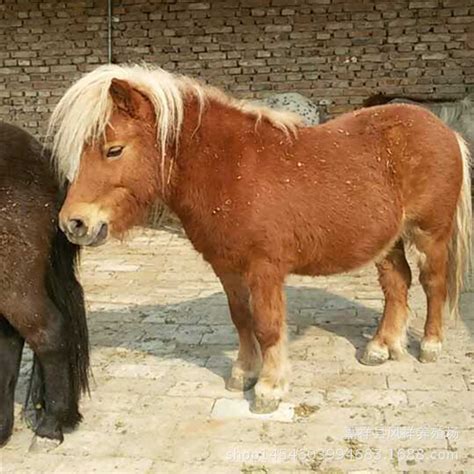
column 162, row 342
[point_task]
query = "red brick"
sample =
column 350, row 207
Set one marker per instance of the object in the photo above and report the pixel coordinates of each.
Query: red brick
column 337, row 50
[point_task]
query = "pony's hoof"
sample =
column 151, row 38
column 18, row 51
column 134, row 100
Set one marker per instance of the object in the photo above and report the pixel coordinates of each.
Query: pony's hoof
column 241, row 380
column 430, row 351
column 240, row 383
column 262, row 405
column 43, row 445
column 375, row 354
column 268, row 395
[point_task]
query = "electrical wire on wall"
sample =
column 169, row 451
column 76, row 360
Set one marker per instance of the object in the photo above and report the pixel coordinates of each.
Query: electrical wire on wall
column 109, row 31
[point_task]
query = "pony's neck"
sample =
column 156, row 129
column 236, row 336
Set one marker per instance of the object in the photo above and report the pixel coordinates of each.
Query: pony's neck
column 220, row 129
column 212, row 142
column 207, row 136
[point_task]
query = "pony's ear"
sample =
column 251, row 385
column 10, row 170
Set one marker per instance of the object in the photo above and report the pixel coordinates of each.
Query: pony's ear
column 129, row 100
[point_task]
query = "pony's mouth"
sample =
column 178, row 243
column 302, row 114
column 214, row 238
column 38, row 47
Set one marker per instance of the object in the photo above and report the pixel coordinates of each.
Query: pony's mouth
column 97, row 237
column 101, row 235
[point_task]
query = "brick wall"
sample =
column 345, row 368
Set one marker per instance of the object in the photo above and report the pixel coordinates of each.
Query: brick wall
column 335, row 51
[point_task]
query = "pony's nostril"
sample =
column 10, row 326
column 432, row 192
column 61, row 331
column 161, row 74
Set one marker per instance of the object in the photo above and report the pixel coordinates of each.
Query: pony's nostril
column 77, row 227
column 104, row 230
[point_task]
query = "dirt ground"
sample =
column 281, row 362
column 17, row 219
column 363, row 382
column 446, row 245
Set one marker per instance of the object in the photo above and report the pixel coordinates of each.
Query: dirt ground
column 162, row 343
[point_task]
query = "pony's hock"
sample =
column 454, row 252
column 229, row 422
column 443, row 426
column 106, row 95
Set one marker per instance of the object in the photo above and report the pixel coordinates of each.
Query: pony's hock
column 261, row 196
column 41, row 301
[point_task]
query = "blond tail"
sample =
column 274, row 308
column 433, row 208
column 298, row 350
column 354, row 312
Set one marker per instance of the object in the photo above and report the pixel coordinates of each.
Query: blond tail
column 460, row 247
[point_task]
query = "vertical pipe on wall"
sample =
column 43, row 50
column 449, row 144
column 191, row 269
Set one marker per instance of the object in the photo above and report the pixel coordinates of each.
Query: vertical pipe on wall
column 109, row 31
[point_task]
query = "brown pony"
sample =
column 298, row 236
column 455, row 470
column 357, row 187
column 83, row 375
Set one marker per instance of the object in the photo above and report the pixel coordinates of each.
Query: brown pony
column 260, row 196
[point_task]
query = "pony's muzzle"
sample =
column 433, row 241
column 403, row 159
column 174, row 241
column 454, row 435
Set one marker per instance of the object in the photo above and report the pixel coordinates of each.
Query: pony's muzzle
column 84, row 224
column 78, row 232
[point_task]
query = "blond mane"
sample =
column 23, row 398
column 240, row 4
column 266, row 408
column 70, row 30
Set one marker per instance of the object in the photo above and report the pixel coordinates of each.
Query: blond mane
column 82, row 114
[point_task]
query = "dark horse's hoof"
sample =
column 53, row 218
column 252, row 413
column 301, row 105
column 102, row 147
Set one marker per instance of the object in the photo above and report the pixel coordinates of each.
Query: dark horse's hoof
column 50, row 428
column 43, row 445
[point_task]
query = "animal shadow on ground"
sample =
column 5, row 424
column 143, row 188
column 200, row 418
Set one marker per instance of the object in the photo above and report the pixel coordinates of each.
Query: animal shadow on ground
column 197, row 329
column 200, row 329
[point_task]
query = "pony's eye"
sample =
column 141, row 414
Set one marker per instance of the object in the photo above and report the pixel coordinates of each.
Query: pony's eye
column 114, row 151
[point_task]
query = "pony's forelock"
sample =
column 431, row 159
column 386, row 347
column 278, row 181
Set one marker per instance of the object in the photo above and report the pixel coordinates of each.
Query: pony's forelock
column 84, row 111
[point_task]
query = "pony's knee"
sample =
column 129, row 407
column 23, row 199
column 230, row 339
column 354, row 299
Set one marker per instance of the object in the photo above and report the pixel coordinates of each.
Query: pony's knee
column 268, row 335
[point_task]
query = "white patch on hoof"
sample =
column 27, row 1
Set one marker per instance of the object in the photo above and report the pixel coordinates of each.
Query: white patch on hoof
column 430, row 350
column 240, row 379
column 268, row 396
column 375, row 354
column 397, row 351
column 43, row 445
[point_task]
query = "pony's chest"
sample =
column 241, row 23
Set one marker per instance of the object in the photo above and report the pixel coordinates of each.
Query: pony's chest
column 214, row 239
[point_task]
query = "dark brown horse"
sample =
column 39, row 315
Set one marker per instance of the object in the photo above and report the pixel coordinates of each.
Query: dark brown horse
column 41, row 301
column 260, row 196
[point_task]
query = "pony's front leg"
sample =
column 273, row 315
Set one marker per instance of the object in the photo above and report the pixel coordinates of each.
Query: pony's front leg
column 246, row 368
column 268, row 310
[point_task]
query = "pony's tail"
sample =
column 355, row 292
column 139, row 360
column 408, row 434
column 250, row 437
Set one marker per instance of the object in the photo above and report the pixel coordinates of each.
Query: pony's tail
column 460, row 247
column 66, row 293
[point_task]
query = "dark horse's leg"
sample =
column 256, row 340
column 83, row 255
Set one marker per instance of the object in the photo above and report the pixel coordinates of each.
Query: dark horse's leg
column 395, row 280
column 41, row 324
column 11, row 346
column 246, row 368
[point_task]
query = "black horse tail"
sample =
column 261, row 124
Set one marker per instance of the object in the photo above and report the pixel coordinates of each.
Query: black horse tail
column 66, row 293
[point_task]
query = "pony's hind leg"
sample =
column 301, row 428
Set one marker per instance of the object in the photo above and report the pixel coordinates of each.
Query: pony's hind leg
column 395, row 280
column 268, row 312
column 246, row 368
column 11, row 346
column 433, row 277
column 42, row 326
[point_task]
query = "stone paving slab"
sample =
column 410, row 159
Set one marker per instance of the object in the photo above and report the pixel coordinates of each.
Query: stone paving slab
column 163, row 343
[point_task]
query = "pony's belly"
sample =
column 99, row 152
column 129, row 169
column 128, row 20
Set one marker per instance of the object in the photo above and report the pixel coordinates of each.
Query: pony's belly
column 331, row 267
column 350, row 253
